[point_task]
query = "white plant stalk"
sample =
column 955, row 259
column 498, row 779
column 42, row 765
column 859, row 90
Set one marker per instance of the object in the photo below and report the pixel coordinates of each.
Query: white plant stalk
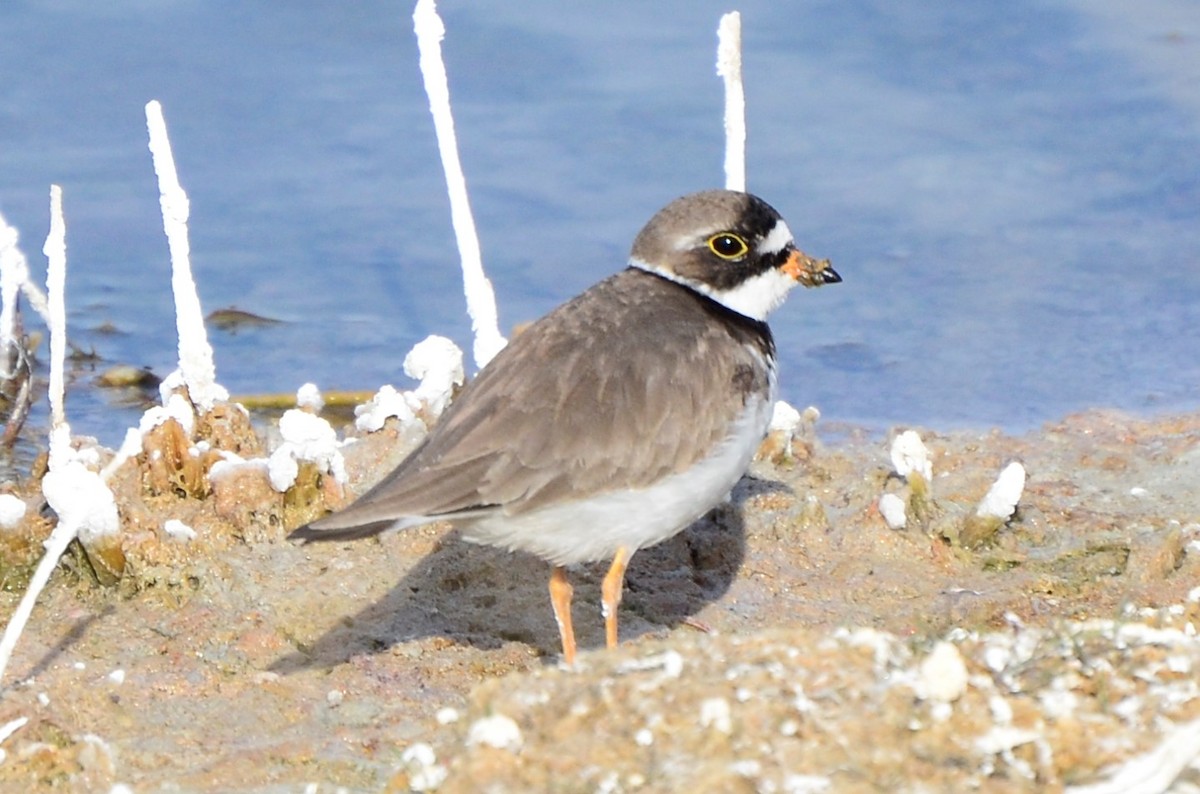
column 55, row 250
column 729, row 67
column 14, row 279
column 481, row 298
column 56, row 544
column 14, row 271
column 80, row 498
column 195, row 353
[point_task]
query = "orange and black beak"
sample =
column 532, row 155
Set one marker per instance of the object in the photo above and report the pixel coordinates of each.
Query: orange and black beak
column 808, row 271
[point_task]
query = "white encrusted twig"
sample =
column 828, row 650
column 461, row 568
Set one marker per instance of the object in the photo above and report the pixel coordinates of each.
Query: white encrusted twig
column 306, row 438
column 481, row 298
column 13, row 272
column 729, row 67
column 438, row 364
column 11, row 727
column 14, row 279
column 1155, row 771
column 910, row 456
column 56, row 544
column 911, row 460
column 195, row 353
column 79, row 497
column 55, row 250
column 1002, row 498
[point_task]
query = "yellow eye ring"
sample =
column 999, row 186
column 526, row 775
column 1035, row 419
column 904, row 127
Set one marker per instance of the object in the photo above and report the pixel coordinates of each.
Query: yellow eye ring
column 728, row 245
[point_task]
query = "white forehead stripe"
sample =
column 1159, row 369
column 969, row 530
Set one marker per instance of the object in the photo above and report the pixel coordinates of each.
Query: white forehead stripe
column 778, row 239
column 756, row 297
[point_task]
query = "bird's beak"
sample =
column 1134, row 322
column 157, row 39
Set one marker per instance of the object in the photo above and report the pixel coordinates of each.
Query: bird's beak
column 808, row 271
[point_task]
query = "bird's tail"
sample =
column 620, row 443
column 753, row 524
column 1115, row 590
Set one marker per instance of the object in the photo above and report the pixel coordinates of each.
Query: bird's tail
column 314, row 532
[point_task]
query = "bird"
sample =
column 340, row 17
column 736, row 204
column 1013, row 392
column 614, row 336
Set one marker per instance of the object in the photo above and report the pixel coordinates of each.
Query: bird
column 618, row 419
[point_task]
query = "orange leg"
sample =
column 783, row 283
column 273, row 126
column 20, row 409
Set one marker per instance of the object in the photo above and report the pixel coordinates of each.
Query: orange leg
column 610, row 593
column 560, row 598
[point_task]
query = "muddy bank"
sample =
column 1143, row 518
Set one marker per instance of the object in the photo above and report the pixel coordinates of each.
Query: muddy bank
column 789, row 641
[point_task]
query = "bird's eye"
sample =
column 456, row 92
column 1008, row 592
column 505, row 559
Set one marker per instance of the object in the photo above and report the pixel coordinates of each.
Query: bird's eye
column 728, row 245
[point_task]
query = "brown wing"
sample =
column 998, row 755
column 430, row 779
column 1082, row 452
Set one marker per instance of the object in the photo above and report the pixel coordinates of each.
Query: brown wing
column 630, row 381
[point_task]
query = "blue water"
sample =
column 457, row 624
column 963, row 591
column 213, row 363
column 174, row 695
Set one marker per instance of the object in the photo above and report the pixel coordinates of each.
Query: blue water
column 1011, row 191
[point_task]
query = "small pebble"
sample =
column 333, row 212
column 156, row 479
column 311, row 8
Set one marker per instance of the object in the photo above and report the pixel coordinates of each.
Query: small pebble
column 496, row 731
column 893, row 510
column 714, row 713
column 943, row 674
column 12, row 510
column 424, row 772
column 177, row 530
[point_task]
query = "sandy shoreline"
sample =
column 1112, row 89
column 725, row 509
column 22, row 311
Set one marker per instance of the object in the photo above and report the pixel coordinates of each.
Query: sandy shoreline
column 789, row 641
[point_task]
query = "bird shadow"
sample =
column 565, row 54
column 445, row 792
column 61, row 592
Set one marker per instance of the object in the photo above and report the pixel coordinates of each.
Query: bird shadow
column 485, row 597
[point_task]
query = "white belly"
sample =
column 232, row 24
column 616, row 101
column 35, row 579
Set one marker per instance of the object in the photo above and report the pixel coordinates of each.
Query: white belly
column 592, row 529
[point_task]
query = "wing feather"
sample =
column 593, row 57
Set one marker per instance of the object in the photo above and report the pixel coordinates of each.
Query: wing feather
column 616, row 388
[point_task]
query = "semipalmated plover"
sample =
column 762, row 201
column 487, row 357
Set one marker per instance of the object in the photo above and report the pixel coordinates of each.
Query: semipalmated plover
column 621, row 417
